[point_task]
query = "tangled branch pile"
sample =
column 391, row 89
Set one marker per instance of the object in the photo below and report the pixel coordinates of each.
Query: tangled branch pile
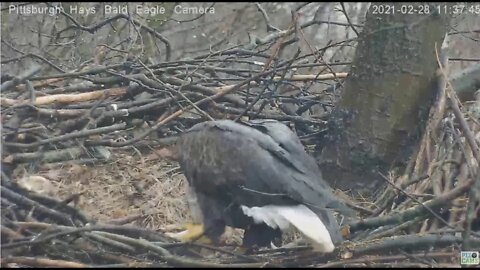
column 113, row 106
column 434, row 204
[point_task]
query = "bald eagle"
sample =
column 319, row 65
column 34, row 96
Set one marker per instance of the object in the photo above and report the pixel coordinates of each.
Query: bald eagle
column 256, row 176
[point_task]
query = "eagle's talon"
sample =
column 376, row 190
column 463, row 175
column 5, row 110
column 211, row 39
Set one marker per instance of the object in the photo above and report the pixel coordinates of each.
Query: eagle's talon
column 193, row 233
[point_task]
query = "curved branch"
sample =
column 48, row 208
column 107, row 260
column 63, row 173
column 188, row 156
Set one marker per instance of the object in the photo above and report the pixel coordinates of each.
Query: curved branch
column 413, row 212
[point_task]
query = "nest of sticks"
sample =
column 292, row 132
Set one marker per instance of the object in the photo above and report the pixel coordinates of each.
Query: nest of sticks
column 426, row 216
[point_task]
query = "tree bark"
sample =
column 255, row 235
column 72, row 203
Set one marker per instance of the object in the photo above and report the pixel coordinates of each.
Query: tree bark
column 385, row 102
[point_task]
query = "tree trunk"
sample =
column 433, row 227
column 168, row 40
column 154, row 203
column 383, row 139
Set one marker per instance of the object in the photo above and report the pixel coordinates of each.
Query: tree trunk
column 386, row 98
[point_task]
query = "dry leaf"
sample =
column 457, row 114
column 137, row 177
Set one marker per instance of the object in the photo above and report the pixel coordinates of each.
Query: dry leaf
column 345, row 231
column 119, row 213
column 163, row 153
column 346, row 255
column 8, row 159
column 38, row 184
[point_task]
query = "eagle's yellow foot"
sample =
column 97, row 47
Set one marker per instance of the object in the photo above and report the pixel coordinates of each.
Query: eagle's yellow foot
column 193, row 232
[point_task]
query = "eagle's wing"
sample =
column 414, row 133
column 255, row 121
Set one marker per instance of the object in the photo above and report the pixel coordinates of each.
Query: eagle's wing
column 236, row 163
column 232, row 160
column 287, row 139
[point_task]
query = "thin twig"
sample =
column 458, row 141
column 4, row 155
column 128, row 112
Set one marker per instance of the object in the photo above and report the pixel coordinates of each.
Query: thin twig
column 417, row 201
column 344, row 11
column 413, row 212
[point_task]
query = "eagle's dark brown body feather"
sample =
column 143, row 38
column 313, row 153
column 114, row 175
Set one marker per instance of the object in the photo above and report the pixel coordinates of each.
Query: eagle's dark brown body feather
column 255, row 163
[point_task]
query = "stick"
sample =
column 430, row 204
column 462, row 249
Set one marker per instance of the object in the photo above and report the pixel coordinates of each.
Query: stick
column 410, row 242
column 370, row 259
column 413, row 212
column 458, row 114
column 22, row 200
column 41, row 262
column 83, row 133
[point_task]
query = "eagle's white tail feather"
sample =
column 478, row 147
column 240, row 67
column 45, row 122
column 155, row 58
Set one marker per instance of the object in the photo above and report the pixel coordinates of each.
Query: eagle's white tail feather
column 300, row 216
column 268, row 215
